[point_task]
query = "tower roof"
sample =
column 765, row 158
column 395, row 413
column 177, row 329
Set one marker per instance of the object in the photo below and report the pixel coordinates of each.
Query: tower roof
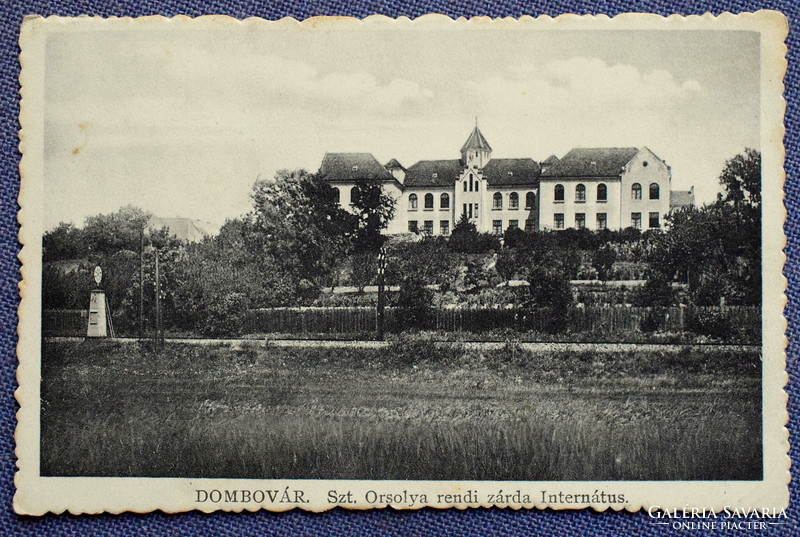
column 476, row 141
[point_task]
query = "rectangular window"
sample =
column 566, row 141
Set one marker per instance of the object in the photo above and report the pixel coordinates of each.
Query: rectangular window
column 558, row 220
column 513, row 224
column 428, row 227
column 530, row 225
column 654, row 223
column 602, row 221
column 444, row 227
column 636, row 220
column 412, row 226
column 497, row 227
column 580, row 220
column 476, row 210
column 469, row 205
column 464, row 212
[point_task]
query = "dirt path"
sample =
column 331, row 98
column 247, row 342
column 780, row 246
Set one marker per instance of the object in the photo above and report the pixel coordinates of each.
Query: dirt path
column 488, row 345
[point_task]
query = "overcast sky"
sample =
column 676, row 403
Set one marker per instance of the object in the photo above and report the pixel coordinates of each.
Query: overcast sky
column 181, row 123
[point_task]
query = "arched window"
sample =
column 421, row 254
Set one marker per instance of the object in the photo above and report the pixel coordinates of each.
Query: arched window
column 580, row 193
column 470, row 182
column 636, row 191
column 530, row 200
column 655, row 192
column 444, row 201
column 429, row 201
column 558, row 194
column 336, row 194
column 602, row 192
column 412, row 202
column 353, row 194
column 513, row 201
column 497, row 201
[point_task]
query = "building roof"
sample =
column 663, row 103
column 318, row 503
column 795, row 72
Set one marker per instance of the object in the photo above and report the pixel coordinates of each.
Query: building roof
column 433, row 173
column 512, row 171
column 592, row 162
column 393, row 164
column 184, row 229
column 476, row 141
column 552, row 159
column 353, row 167
column 681, row 198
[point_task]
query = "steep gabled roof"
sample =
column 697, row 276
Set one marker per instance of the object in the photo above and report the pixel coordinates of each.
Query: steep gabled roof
column 681, row 198
column 552, row 159
column 184, row 229
column 392, row 164
column 476, row 141
column 592, row 162
column 512, row 171
column 433, row 173
column 352, row 167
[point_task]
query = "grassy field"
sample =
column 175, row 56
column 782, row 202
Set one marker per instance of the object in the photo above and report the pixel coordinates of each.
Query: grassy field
column 415, row 411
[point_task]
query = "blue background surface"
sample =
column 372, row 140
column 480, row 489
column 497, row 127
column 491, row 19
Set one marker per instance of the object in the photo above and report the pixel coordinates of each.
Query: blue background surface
column 341, row 522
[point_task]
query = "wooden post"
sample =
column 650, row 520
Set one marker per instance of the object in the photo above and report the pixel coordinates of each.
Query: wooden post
column 141, row 284
column 158, row 304
column 381, row 292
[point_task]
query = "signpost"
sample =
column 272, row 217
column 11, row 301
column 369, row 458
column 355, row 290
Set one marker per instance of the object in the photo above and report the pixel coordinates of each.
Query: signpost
column 99, row 314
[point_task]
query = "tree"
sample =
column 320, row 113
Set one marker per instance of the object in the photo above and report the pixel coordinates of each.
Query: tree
column 466, row 239
column 509, row 262
column 299, row 226
column 122, row 230
column 741, row 179
column 374, row 209
column 716, row 248
column 64, row 242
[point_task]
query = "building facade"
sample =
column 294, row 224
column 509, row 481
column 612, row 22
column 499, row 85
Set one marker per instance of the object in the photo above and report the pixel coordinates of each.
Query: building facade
column 592, row 188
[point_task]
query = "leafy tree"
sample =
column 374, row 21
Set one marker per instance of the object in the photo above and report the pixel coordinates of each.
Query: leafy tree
column 122, row 230
column 741, row 179
column 64, row 242
column 374, row 209
column 510, row 261
column 364, row 268
column 656, row 292
column 466, row 239
column 514, row 237
column 299, row 225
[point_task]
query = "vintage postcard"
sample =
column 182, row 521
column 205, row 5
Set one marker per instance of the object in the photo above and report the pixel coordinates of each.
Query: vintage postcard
column 528, row 263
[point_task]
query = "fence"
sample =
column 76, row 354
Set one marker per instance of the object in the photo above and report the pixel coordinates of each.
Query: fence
column 355, row 320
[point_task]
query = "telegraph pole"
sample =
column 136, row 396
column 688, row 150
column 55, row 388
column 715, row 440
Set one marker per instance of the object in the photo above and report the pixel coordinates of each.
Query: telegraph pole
column 158, row 305
column 141, row 285
column 381, row 291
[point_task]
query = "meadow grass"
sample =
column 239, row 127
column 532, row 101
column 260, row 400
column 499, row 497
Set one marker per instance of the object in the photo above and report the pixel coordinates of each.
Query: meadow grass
column 414, row 411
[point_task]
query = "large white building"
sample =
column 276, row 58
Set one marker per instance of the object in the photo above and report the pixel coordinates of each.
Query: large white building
column 593, row 188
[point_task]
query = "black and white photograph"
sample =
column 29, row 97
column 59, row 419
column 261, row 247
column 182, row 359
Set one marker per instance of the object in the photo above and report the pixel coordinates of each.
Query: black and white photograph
column 360, row 264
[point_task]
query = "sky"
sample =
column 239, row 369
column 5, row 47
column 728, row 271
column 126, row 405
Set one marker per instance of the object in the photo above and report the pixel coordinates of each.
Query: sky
column 182, row 122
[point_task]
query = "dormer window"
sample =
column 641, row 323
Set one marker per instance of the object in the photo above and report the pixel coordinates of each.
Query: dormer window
column 510, row 174
column 435, row 175
column 355, row 168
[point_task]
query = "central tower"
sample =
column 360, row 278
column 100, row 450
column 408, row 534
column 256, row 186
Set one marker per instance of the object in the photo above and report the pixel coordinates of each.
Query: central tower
column 476, row 151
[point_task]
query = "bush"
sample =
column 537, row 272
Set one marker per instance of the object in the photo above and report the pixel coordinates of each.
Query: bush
column 225, row 317
column 656, row 292
column 465, row 239
column 414, row 304
column 712, row 323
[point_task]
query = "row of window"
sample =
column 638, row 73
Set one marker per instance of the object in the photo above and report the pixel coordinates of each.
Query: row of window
column 513, row 200
column 497, row 201
column 602, row 192
column 427, row 227
column 444, row 226
column 413, row 201
column 602, row 220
